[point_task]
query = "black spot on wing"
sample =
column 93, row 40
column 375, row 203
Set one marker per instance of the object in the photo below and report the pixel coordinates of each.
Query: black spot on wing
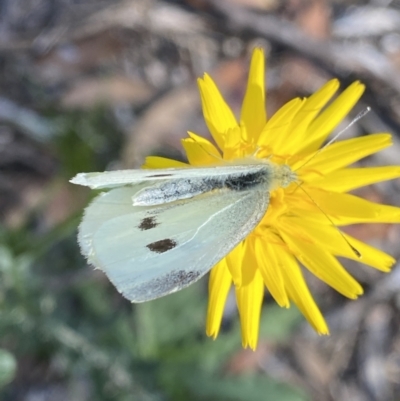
column 162, row 246
column 159, row 175
column 147, row 223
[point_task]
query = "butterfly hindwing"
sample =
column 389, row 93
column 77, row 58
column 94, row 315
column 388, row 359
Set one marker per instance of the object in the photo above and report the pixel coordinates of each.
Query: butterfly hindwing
column 151, row 251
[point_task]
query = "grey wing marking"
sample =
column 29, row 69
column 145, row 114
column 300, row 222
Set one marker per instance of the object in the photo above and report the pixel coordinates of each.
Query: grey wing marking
column 154, row 251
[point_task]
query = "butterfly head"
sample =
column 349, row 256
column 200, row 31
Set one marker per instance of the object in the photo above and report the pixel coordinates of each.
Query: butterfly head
column 284, row 175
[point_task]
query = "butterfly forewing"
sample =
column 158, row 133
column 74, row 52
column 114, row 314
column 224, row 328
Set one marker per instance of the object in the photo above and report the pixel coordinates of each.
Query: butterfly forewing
column 113, row 179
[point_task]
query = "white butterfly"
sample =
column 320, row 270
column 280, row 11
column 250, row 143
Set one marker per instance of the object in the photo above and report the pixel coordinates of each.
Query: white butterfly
column 158, row 231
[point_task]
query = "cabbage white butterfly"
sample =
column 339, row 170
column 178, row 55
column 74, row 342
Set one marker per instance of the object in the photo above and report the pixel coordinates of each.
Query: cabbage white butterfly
column 158, row 231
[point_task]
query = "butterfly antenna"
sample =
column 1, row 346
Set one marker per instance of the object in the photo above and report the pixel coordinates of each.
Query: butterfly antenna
column 355, row 250
column 358, row 117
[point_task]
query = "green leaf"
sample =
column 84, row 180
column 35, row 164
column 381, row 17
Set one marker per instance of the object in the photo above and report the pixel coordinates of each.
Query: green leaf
column 236, row 388
column 8, row 367
column 277, row 323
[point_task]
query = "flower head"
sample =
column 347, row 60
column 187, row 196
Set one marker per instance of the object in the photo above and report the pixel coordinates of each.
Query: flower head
column 301, row 225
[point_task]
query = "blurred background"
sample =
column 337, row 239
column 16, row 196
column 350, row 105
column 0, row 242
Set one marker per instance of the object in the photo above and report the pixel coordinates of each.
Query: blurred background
column 91, row 85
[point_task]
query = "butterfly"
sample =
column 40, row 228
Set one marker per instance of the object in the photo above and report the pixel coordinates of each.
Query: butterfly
column 155, row 232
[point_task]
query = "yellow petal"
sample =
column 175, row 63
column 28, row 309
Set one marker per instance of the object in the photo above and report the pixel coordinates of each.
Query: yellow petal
column 219, row 283
column 350, row 209
column 341, row 154
column 249, row 300
column 249, row 262
column 329, row 238
column 275, row 131
column 253, row 114
column 370, row 255
column 162, row 162
column 320, row 262
column 298, row 130
column 235, row 147
column 345, row 180
column 200, row 152
column 217, row 114
column 234, row 261
column 298, row 291
column 270, row 270
column 327, row 121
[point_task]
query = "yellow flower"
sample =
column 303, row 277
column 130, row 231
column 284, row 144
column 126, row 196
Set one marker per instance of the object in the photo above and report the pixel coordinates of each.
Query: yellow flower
column 294, row 229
